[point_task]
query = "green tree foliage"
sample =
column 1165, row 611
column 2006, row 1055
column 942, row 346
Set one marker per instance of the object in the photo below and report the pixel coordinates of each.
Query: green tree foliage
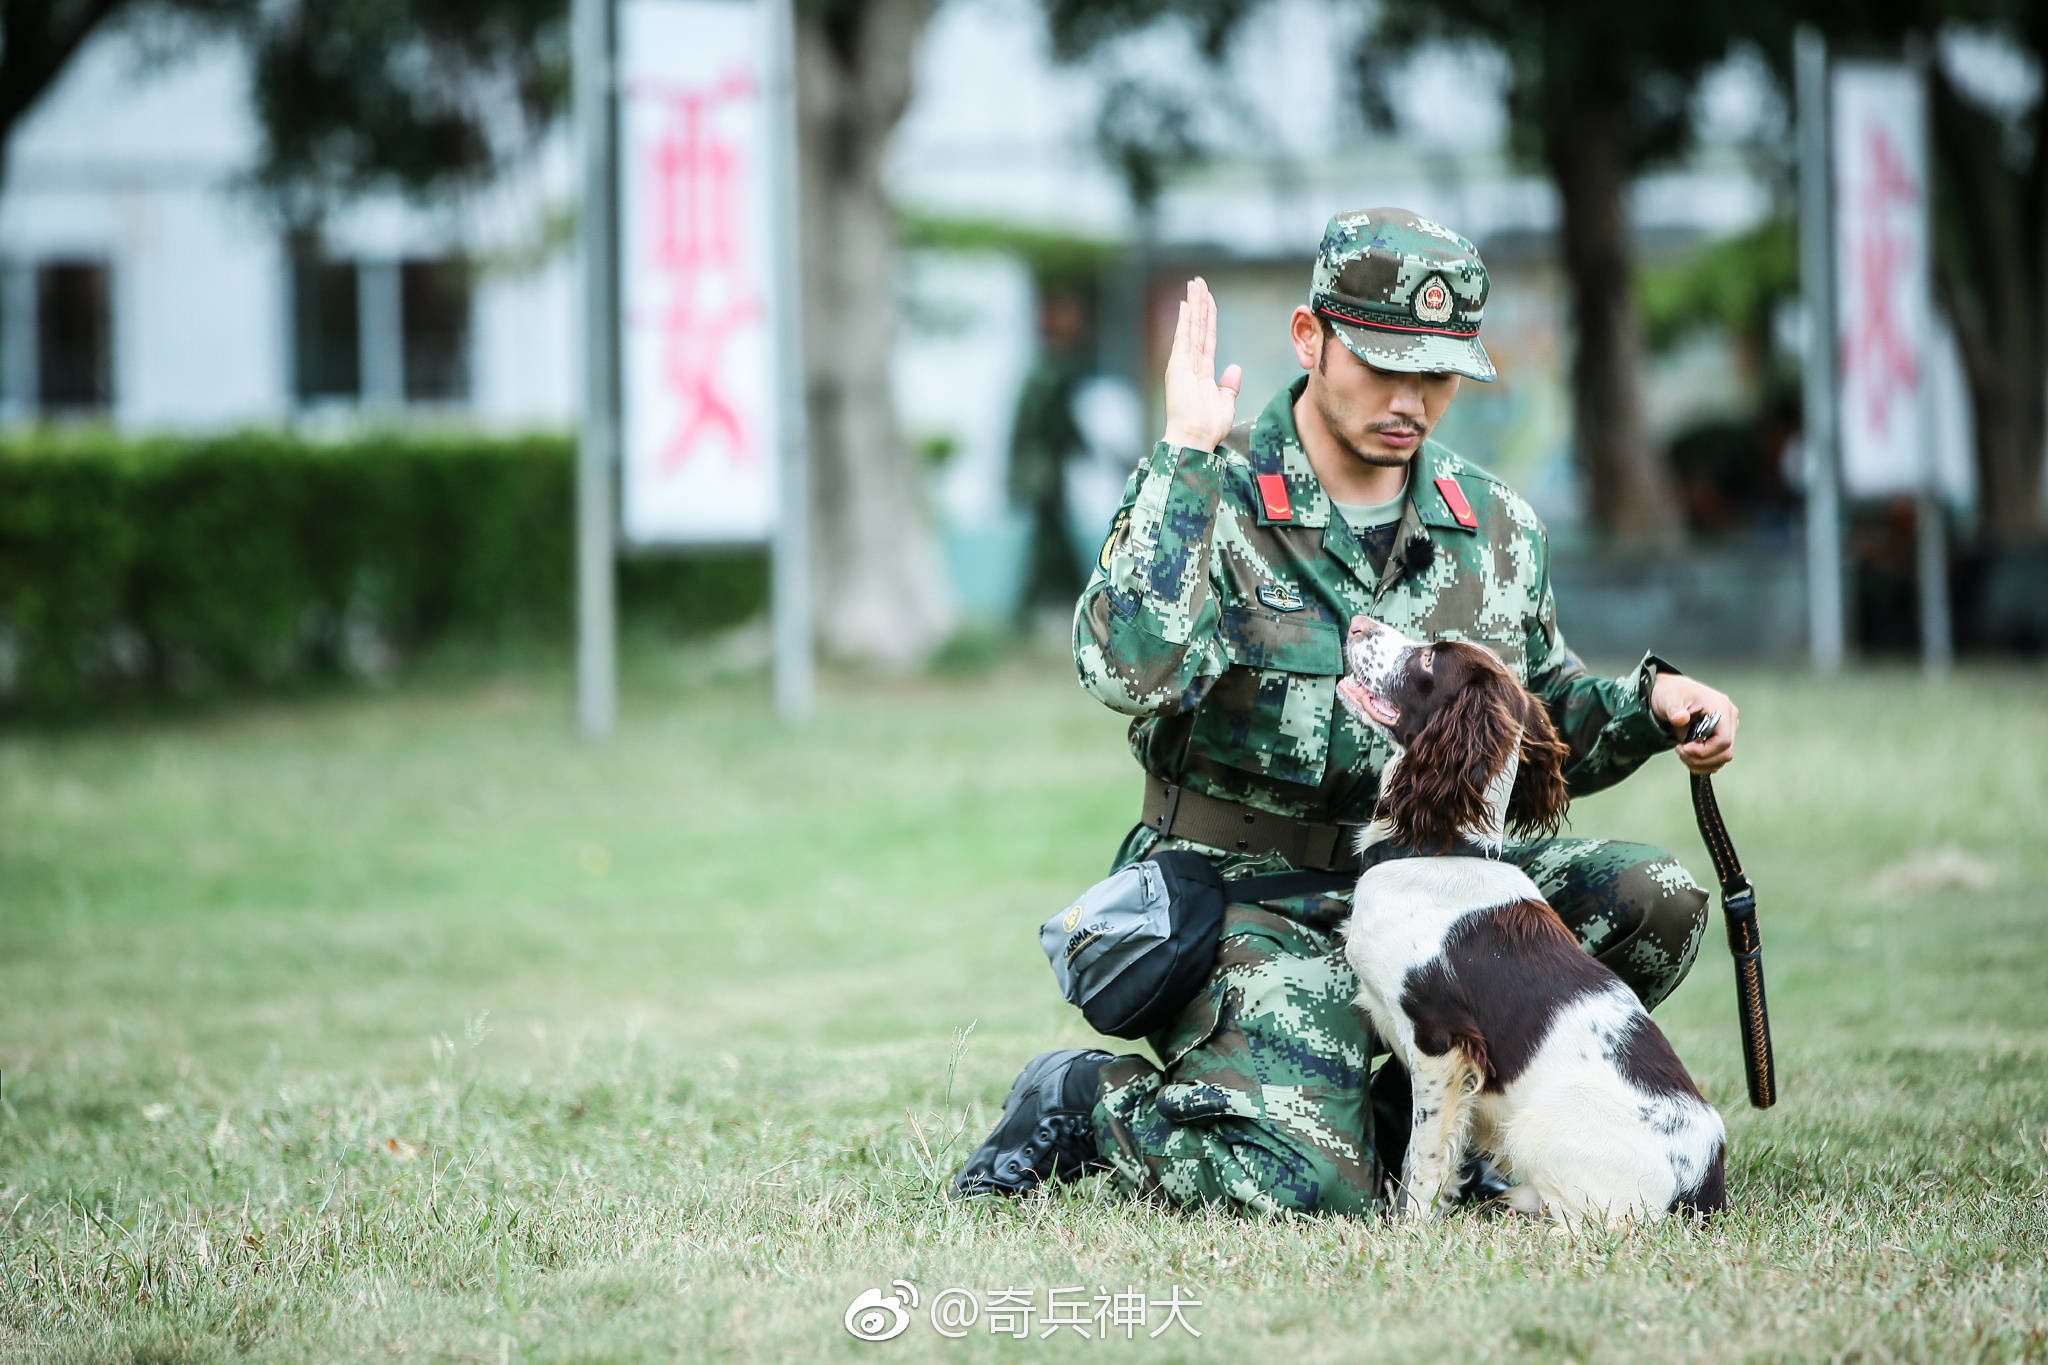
column 37, row 39
column 1990, row 203
column 1645, row 60
column 367, row 95
column 1597, row 90
column 350, row 95
column 1736, row 284
column 1054, row 258
column 1600, row 90
column 1991, row 233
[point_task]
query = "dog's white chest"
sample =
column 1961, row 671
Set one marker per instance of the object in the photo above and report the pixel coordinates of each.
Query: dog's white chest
column 1404, row 912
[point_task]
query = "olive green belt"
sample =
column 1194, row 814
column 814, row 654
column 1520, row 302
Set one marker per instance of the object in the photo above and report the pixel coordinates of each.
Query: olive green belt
column 1178, row 813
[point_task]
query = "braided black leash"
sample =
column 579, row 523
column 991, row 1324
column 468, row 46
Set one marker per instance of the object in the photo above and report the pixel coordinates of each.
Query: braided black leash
column 1745, row 941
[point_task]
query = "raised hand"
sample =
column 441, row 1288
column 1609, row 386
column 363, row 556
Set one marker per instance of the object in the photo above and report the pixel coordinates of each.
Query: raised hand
column 1199, row 407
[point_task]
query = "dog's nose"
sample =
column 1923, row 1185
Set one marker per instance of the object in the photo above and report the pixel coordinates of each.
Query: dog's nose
column 1362, row 626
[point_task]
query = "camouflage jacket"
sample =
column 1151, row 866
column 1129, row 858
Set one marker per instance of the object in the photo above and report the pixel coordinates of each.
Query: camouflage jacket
column 1217, row 615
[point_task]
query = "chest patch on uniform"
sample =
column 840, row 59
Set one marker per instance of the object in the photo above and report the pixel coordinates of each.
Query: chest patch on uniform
column 1280, row 596
column 1116, row 527
column 1454, row 499
column 1273, row 493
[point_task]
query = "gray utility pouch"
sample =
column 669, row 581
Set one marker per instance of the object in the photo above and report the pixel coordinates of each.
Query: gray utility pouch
column 1134, row 949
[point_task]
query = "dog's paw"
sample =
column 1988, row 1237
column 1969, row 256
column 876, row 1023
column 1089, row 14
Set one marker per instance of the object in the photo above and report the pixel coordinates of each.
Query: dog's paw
column 1524, row 1200
column 1408, row 1209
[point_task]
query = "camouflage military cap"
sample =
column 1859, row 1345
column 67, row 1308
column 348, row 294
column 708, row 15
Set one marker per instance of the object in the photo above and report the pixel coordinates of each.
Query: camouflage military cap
column 1404, row 293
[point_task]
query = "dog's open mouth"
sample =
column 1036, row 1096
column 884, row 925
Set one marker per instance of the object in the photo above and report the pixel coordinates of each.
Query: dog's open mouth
column 1368, row 701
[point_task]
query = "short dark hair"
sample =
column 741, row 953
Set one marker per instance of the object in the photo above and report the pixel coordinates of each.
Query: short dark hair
column 1329, row 335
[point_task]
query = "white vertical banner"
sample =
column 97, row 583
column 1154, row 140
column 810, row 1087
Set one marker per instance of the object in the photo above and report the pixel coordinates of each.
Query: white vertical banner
column 1884, row 323
column 1889, row 431
column 697, row 279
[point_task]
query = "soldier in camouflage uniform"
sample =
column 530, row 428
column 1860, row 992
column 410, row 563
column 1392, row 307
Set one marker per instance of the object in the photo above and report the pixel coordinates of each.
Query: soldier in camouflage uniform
column 1217, row 616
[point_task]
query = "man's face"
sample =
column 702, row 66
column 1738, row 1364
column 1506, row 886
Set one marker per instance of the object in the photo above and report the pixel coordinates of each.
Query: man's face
column 1378, row 416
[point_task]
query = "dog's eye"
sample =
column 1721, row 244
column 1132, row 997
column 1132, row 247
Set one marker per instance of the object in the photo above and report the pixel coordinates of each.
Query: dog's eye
column 1428, row 659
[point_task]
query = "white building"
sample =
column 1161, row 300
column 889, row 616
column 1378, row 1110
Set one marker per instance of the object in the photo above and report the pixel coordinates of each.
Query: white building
column 144, row 283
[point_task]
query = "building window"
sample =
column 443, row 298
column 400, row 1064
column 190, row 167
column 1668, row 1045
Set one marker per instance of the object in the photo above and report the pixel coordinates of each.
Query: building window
column 380, row 333
column 433, row 310
column 74, row 337
column 56, row 337
column 326, row 332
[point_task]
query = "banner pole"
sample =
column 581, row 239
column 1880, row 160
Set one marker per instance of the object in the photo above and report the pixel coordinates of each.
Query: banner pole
column 1826, row 628
column 795, row 672
column 1937, row 635
column 597, row 444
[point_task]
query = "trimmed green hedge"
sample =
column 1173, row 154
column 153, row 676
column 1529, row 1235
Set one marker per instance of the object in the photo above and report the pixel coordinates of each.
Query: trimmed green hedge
column 177, row 566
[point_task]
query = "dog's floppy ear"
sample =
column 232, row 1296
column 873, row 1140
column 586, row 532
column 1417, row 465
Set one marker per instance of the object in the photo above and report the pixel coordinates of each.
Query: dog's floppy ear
column 1439, row 786
column 1536, row 805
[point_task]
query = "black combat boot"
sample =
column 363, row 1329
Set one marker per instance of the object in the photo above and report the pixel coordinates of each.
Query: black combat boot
column 1045, row 1132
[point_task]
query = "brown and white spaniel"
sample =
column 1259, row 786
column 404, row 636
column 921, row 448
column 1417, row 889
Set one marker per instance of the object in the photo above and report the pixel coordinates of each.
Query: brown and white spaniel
column 1519, row 1044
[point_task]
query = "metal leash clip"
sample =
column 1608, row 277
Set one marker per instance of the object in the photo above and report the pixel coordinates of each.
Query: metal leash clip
column 1704, row 727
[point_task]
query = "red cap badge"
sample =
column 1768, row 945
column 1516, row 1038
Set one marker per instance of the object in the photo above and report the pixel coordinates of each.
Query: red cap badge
column 1454, row 498
column 1273, row 493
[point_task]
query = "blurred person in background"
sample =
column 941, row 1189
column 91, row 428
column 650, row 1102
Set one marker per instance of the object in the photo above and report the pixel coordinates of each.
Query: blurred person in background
column 1217, row 616
column 1044, row 438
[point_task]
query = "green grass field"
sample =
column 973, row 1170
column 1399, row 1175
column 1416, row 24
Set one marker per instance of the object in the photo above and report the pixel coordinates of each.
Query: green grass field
column 404, row 1025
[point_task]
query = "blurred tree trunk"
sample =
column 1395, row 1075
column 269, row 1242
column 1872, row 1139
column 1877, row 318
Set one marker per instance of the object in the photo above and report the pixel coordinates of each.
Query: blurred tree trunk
column 1631, row 496
column 881, row 594
column 1993, row 278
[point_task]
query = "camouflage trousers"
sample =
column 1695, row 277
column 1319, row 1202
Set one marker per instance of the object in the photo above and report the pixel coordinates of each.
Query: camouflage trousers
column 1263, row 1101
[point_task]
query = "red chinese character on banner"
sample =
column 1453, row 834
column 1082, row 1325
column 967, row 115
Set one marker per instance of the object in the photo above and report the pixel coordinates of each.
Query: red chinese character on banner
column 1875, row 349
column 698, row 183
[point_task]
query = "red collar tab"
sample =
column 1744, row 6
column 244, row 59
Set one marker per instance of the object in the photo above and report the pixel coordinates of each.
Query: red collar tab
column 1454, row 498
column 1273, row 493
